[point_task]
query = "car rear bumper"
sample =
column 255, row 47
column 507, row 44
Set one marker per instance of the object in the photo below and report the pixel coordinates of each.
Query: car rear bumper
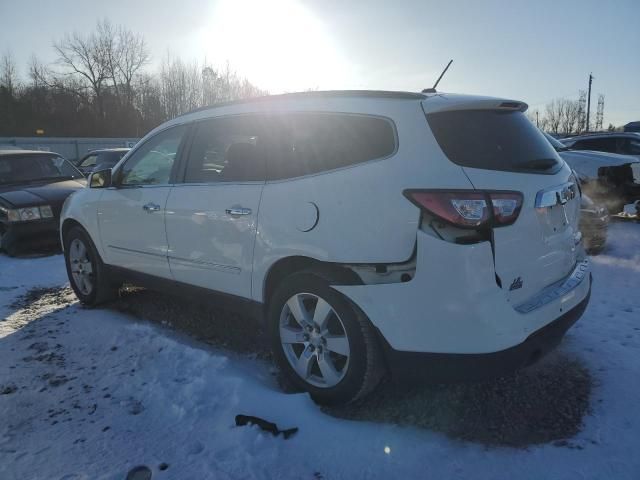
column 445, row 368
column 453, row 304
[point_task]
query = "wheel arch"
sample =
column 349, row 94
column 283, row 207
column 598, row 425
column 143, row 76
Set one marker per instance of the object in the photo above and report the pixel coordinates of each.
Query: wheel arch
column 331, row 272
column 67, row 225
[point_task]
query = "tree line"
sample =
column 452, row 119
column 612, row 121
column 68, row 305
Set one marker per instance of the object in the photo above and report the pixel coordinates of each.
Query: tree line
column 100, row 85
column 563, row 116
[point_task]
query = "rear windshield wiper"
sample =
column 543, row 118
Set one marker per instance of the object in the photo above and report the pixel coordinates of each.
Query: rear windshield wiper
column 539, row 164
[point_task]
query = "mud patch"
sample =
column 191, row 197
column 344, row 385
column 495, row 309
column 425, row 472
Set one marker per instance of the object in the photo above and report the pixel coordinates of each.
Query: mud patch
column 541, row 404
column 35, row 303
column 39, row 295
column 8, row 389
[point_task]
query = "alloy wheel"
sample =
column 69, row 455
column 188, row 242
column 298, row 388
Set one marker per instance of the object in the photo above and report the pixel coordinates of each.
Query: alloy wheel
column 81, row 266
column 314, row 340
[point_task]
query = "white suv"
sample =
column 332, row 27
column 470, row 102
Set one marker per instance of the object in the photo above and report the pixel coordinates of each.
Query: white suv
column 372, row 231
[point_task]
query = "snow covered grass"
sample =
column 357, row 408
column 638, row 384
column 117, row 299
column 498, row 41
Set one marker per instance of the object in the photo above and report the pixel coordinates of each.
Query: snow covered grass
column 93, row 393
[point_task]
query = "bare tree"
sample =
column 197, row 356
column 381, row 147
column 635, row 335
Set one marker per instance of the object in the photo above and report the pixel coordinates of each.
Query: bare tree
column 8, row 75
column 553, row 115
column 111, row 52
column 84, row 57
column 569, row 115
column 133, row 56
column 37, row 72
column 180, row 86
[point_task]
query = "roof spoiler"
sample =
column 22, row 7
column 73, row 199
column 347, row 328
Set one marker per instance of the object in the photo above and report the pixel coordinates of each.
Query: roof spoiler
column 480, row 104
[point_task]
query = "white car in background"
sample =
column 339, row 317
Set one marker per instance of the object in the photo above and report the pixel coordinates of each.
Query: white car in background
column 429, row 234
column 608, row 178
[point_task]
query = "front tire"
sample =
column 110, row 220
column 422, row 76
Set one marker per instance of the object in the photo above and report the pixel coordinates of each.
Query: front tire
column 87, row 274
column 321, row 342
column 8, row 243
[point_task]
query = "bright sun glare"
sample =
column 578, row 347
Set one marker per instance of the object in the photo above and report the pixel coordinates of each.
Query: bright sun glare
column 278, row 45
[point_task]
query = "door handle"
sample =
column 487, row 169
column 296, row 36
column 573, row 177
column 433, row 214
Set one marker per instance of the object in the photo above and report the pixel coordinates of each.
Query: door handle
column 238, row 211
column 151, row 207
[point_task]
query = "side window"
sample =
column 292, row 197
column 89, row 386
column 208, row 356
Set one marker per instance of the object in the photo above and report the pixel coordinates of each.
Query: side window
column 89, row 161
column 227, row 149
column 599, row 144
column 151, row 164
column 631, row 147
column 305, row 143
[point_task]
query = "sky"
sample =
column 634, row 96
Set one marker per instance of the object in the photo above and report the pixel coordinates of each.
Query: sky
column 533, row 51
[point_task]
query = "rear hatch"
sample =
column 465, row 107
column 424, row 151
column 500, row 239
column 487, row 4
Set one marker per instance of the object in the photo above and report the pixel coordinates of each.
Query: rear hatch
column 498, row 148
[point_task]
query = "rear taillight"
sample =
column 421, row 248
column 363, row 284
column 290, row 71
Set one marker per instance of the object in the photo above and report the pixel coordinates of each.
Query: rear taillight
column 506, row 207
column 469, row 208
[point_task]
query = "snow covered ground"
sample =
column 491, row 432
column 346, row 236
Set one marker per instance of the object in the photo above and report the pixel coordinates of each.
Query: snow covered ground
column 88, row 394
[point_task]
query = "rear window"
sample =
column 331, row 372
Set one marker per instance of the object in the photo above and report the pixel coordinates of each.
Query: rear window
column 493, row 140
column 305, row 143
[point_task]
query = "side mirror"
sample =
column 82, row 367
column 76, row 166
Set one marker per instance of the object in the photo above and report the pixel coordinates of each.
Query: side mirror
column 100, row 179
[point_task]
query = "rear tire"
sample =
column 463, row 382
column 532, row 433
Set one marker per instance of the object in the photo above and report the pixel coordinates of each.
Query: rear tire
column 87, row 274
column 321, row 342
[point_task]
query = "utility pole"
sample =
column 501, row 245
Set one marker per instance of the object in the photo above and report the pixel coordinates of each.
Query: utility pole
column 600, row 113
column 589, row 102
column 537, row 119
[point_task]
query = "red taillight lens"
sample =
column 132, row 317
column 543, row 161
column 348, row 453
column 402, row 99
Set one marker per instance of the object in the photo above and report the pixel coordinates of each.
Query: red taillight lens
column 465, row 209
column 469, row 208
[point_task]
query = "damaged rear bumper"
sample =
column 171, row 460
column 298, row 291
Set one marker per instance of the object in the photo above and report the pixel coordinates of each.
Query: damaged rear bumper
column 447, row 368
column 454, row 306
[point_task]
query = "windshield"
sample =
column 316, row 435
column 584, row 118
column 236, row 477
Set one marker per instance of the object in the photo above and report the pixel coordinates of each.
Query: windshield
column 493, row 140
column 555, row 143
column 89, row 161
column 31, row 168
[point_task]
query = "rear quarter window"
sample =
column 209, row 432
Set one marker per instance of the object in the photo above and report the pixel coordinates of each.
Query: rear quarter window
column 493, row 140
column 306, row 143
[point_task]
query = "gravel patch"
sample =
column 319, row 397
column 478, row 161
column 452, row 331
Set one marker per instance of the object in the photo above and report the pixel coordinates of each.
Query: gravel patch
column 540, row 404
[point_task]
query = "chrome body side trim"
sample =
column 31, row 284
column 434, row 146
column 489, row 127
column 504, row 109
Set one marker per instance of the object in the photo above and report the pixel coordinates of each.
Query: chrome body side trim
column 205, row 264
column 136, row 252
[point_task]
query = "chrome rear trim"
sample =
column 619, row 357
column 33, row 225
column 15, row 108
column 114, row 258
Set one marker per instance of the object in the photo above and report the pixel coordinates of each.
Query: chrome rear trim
column 558, row 289
column 558, row 195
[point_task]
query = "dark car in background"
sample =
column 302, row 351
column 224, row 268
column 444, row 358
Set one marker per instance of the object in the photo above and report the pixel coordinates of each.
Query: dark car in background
column 100, row 159
column 33, row 187
column 624, row 143
column 608, row 178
